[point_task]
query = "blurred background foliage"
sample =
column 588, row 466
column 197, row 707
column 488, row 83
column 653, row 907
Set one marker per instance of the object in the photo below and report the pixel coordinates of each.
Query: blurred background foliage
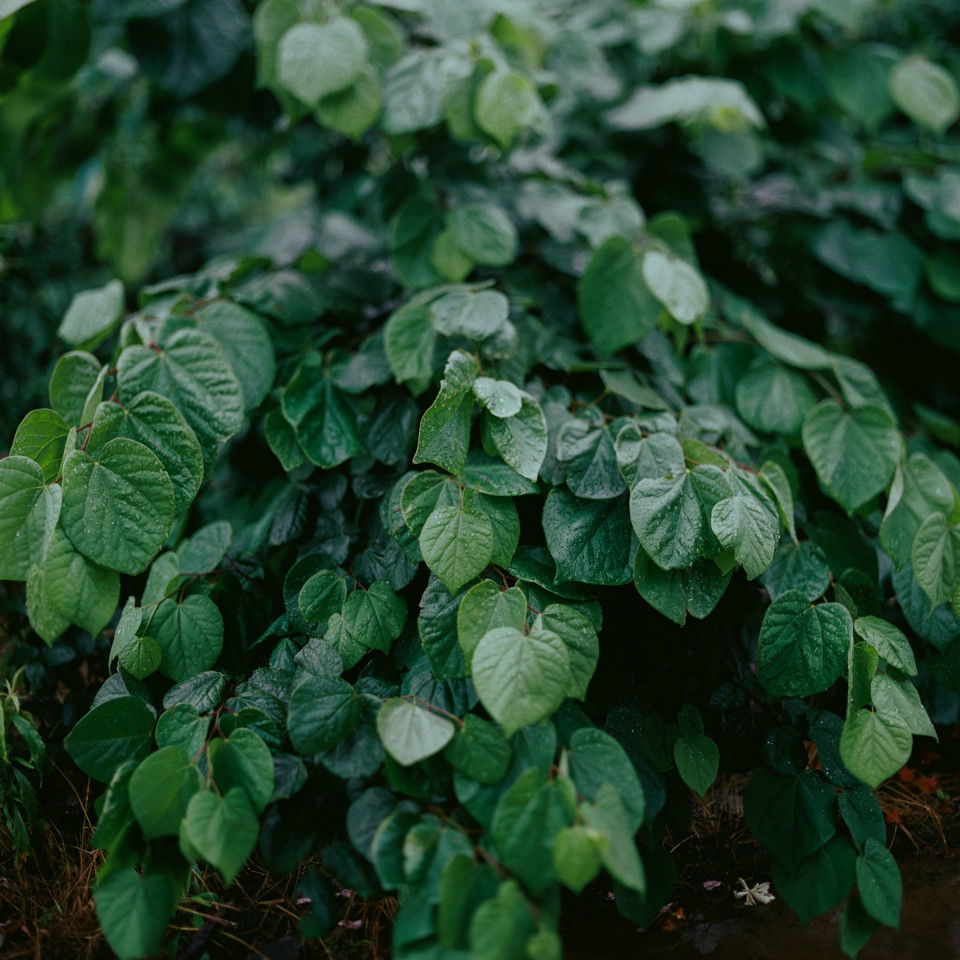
column 137, row 139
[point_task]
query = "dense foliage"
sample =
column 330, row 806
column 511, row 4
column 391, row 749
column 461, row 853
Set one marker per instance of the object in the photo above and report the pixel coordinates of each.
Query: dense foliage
column 542, row 343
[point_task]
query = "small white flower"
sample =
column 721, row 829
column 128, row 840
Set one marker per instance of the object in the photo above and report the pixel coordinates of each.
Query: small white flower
column 758, row 893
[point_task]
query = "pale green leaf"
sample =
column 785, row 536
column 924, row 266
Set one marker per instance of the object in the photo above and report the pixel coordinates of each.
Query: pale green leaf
column 854, row 452
column 314, row 59
column 411, row 733
column 223, row 830
column 926, row 93
column 457, row 544
column 677, row 285
column 520, row 678
column 92, row 316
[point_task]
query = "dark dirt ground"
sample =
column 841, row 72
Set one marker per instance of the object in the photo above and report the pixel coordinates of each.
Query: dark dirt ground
column 46, row 909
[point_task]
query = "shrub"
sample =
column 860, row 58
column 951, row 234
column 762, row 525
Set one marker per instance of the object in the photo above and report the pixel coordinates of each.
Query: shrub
column 395, row 514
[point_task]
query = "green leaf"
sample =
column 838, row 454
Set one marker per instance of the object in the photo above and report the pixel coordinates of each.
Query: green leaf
column 421, row 494
column 190, row 634
column 204, row 551
column 887, row 262
column 578, row 855
column 322, row 713
column 348, row 648
column 521, row 440
column 500, row 397
column 586, row 455
column 616, row 306
column 322, row 414
column 858, row 383
column 160, row 789
column 445, row 427
column 858, row 80
column 109, row 735
column 580, row 637
column 73, row 379
column 314, row 60
column 42, row 436
column 409, row 337
column 747, row 523
column 484, row 233
column 474, row 314
column 896, row 696
column 501, row 925
column 437, row 626
column 875, row 746
column 182, row 726
column 203, row 691
column 926, row 93
column 919, row 489
column 223, row 830
column 722, row 103
column 791, row 816
column 774, row 399
column 774, row 477
column 154, row 421
column 282, row 439
column 525, row 825
column 595, row 758
column 413, row 93
column 820, row 882
column 322, row 595
column 879, row 883
column 854, row 453
column 244, row 339
column 504, row 520
column 411, row 733
column 783, row 345
column 856, row 927
column 608, row 817
column 354, row 110
column 133, row 910
column 590, row 540
column 479, row 750
column 92, row 316
column 464, row 887
column 119, row 506
column 862, row 815
column 802, row 648
column 29, row 512
column 888, row 641
column 243, row 760
column 195, row 374
column 507, row 105
column 677, row 285
column 861, row 667
column 457, row 544
column 494, row 478
column 696, row 589
column 698, row 760
column 798, row 566
column 484, row 607
column 163, row 579
column 141, row 657
column 934, row 557
column 520, row 678
column 375, row 616
column 671, row 515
